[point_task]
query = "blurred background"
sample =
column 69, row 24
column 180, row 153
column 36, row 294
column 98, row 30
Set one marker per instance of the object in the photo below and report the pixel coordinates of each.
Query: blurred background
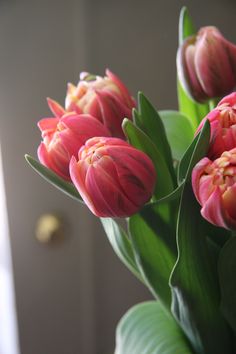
column 70, row 293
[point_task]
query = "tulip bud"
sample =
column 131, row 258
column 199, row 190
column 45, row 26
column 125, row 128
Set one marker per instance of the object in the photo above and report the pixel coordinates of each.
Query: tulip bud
column 206, row 65
column 113, row 178
column 214, row 185
column 223, row 126
column 62, row 138
column 107, row 99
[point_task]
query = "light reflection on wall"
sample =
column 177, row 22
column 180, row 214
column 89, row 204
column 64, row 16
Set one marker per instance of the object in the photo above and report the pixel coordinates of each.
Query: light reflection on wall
column 8, row 328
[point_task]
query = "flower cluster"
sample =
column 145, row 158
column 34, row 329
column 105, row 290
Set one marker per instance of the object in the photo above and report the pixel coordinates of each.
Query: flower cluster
column 214, row 177
column 113, row 163
column 84, row 143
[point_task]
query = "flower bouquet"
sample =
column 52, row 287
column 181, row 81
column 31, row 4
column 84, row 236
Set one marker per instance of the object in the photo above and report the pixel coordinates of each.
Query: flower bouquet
column 171, row 176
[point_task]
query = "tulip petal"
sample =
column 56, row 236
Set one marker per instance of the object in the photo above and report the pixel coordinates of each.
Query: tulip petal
column 212, row 63
column 195, row 85
column 78, row 173
column 53, row 162
column 135, row 173
column 55, row 108
column 197, row 172
column 107, row 197
column 186, row 71
column 229, row 99
column 123, row 90
column 48, row 125
column 113, row 112
column 213, row 209
column 229, row 202
column 80, row 128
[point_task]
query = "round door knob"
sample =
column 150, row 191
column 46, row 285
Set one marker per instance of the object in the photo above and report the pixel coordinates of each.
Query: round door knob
column 49, row 227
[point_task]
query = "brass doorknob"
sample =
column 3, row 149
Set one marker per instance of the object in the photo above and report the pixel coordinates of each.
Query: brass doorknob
column 49, row 227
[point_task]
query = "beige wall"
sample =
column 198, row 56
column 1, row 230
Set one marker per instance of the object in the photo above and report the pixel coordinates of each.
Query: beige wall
column 70, row 296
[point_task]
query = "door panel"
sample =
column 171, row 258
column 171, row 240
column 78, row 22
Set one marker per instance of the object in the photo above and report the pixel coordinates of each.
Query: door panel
column 62, row 307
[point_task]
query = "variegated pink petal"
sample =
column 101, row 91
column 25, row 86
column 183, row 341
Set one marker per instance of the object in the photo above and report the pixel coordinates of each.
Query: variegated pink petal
column 55, row 108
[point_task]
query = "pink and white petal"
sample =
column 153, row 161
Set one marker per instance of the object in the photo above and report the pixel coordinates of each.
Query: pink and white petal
column 55, row 108
column 78, row 172
column 123, row 89
column 213, row 210
column 51, row 162
column 48, row 125
column 229, row 99
column 229, row 202
column 197, row 172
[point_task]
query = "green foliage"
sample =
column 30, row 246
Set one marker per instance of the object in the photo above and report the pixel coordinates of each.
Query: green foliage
column 194, row 283
column 141, row 141
column 149, row 121
column 196, row 151
column 121, row 244
column 154, row 247
column 179, row 131
column 227, row 272
column 148, row 329
column 54, row 179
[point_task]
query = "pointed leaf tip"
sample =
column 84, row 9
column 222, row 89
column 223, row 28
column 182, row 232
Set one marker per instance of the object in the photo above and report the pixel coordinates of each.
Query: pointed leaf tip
column 53, row 178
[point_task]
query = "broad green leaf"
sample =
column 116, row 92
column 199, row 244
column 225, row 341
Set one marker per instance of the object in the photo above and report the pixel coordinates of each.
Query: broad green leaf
column 227, row 273
column 193, row 110
column 148, row 329
column 149, row 121
column 54, row 179
column 218, row 235
column 154, row 247
column 196, row 296
column 196, row 151
column 141, row 141
column 120, row 244
column 179, row 132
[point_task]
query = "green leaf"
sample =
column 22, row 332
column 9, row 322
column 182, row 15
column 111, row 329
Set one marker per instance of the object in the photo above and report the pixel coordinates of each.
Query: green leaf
column 227, row 271
column 141, row 141
column 194, row 283
column 54, row 179
column 154, row 247
column 193, row 110
column 196, row 151
column 186, row 26
column 148, row 329
column 149, row 121
column 179, row 131
column 172, row 196
column 136, row 117
column 120, row 244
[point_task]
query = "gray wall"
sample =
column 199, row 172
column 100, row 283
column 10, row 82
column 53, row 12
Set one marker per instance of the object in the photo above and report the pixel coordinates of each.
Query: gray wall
column 70, row 295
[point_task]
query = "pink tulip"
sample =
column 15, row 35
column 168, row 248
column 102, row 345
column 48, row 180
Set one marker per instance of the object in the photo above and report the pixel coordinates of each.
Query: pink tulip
column 214, row 185
column 206, row 64
column 223, row 126
column 106, row 98
column 63, row 137
column 113, row 178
